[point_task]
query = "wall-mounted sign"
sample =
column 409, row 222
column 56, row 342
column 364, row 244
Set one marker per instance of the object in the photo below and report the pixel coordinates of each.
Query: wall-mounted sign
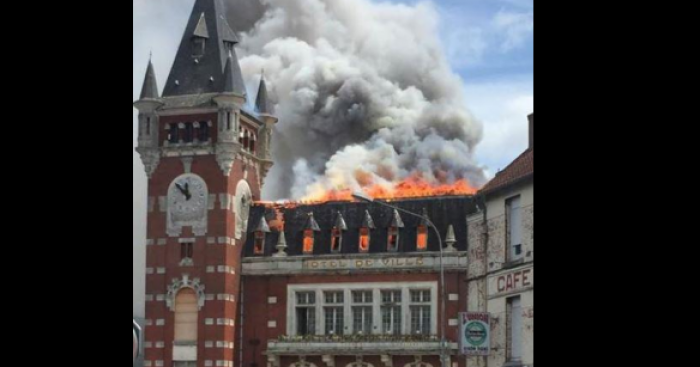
column 514, row 281
column 475, row 334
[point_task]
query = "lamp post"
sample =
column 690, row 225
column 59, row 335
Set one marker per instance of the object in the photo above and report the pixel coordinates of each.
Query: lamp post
column 137, row 340
column 363, row 197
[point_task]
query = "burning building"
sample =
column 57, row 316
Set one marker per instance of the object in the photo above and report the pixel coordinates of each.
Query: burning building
column 324, row 284
column 353, row 284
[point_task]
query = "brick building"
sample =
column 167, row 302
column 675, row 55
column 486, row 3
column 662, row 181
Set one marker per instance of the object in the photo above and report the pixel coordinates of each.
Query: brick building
column 353, row 284
column 206, row 157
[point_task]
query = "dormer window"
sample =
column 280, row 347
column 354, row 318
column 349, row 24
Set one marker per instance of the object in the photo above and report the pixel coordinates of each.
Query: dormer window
column 393, row 243
column 364, row 240
column 422, row 238
column 259, row 243
column 308, row 242
column 309, row 233
column 336, row 240
column 393, row 232
column 198, row 46
column 337, row 234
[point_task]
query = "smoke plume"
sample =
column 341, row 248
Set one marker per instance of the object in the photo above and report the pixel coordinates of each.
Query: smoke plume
column 364, row 94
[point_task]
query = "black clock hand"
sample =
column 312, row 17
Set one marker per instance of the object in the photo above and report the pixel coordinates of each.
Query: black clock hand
column 181, row 189
column 187, row 192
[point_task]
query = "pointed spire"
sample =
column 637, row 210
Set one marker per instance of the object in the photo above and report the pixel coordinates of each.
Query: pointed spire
column 150, row 85
column 233, row 77
column 202, row 29
column 263, row 226
column 396, row 220
column 340, row 222
column 262, row 103
column 451, row 239
column 205, row 49
column 281, row 246
column 368, row 222
column 312, row 224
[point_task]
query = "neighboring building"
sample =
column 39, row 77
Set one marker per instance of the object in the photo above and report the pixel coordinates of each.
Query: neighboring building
column 353, row 284
column 501, row 261
column 206, row 157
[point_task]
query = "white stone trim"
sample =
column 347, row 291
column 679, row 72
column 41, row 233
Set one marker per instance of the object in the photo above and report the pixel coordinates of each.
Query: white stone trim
column 160, row 322
column 272, row 300
column 272, row 324
column 453, row 297
column 162, row 242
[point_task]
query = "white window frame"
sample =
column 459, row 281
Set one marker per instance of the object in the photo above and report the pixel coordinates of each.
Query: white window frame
column 348, row 288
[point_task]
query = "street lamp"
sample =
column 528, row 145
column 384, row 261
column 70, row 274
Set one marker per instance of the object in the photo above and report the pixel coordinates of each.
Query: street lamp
column 137, row 340
column 361, row 196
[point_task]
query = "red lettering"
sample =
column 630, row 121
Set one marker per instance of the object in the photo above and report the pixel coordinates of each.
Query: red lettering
column 526, row 279
column 509, row 282
column 516, row 279
column 501, row 285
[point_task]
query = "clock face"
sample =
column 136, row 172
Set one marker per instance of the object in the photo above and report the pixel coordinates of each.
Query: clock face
column 187, row 199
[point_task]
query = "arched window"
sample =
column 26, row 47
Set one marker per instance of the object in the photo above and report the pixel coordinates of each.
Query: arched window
column 186, row 316
column 189, row 132
column 203, row 131
column 393, row 243
column 364, row 240
column 259, row 243
column 336, row 240
column 246, row 140
column 337, row 234
column 173, row 137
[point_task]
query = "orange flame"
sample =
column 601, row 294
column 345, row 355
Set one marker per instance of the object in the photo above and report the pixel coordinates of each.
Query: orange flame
column 412, row 187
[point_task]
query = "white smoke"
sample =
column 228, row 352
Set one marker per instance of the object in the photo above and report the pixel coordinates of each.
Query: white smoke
column 364, row 94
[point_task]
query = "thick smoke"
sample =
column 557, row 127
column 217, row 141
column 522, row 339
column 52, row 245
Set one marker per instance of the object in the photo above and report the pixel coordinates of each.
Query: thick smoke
column 364, row 92
column 365, row 96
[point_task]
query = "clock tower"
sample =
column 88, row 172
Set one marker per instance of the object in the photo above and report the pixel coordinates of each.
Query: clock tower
column 206, row 152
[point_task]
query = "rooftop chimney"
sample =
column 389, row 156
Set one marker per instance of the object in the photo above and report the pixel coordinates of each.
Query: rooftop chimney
column 531, row 119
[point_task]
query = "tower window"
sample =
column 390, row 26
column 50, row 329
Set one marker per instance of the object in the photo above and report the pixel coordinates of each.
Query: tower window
column 173, row 137
column 364, row 240
column 246, row 140
column 189, row 132
column 148, row 126
column 228, row 121
column 186, row 251
column 252, row 143
column 393, row 244
column 198, row 46
column 422, row 244
column 308, row 242
column 259, row 243
column 203, row 131
column 336, row 240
